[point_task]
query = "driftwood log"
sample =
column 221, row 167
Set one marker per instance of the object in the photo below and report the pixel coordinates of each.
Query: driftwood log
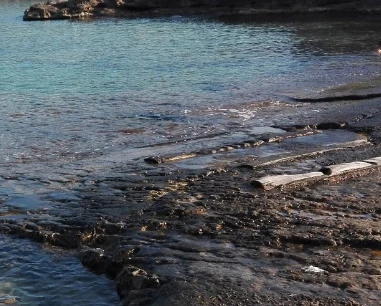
column 338, row 169
column 273, row 181
column 374, row 161
column 270, row 182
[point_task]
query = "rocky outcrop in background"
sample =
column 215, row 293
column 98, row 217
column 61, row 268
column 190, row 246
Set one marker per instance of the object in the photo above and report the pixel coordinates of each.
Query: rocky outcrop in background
column 82, row 8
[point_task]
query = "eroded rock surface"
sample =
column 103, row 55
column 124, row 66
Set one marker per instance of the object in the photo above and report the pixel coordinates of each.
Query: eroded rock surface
column 208, row 237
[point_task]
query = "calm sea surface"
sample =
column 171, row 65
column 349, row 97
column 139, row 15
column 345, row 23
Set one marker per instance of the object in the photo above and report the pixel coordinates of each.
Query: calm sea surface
column 75, row 95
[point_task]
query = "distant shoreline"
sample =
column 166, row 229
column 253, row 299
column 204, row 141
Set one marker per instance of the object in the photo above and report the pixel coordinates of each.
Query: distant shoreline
column 73, row 9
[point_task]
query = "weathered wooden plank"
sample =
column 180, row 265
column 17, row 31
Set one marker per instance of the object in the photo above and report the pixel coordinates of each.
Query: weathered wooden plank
column 374, row 161
column 341, row 168
column 270, row 182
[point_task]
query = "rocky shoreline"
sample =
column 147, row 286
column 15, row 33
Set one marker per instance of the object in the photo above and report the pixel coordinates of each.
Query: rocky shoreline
column 166, row 231
column 63, row 9
column 192, row 228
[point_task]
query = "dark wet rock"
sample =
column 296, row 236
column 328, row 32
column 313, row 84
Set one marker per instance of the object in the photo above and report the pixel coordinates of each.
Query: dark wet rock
column 95, row 260
column 365, row 242
column 245, row 166
column 153, row 160
column 311, row 240
column 32, row 226
column 133, row 278
column 69, row 241
column 375, row 136
column 329, row 125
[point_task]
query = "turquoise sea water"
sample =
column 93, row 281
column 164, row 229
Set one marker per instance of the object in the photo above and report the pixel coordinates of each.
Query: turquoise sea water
column 71, row 87
column 75, row 94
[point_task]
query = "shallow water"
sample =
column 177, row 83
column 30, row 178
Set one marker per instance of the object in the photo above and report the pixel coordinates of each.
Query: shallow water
column 80, row 98
column 74, row 89
column 33, row 275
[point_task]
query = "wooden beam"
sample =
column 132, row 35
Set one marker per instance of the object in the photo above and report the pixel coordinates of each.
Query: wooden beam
column 270, row 182
column 341, row 168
